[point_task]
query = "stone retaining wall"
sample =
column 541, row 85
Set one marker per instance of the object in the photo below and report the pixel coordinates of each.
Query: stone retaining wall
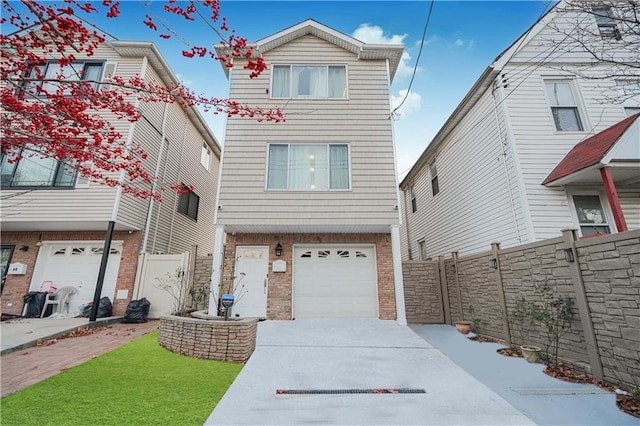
column 233, row 340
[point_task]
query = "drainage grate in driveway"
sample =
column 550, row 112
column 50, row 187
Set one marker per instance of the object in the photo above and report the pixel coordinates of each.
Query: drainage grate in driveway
column 345, row 391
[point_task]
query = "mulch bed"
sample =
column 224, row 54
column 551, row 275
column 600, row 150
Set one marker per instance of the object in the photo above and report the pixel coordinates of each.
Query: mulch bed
column 509, row 352
column 628, row 404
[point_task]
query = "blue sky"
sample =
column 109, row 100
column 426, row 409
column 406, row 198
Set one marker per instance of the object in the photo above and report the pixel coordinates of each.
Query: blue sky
column 462, row 40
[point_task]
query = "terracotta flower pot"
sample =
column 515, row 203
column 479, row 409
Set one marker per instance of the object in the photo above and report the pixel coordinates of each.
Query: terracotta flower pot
column 463, row 327
column 531, row 353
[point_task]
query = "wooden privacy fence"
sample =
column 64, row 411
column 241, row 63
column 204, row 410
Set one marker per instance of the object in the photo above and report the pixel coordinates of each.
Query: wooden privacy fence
column 603, row 279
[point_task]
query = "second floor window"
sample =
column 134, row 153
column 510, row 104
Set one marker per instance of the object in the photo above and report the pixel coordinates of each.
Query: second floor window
column 76, row 71
column 34, row 170
column 188, row 203
column 205, row 156
column 308, row 167
column 309, row 81
column 433, row 171
column 564, row 107
column 414, row 201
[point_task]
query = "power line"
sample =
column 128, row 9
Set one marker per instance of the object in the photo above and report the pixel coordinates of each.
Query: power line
column 415, row 68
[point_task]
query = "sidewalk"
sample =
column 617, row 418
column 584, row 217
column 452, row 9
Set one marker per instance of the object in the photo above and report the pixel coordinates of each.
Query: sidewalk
column 24, row 365
column 543, row 399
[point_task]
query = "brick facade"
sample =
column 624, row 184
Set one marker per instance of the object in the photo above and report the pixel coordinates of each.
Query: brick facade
column 233, row 340
column 279, row 303
column 17, row 285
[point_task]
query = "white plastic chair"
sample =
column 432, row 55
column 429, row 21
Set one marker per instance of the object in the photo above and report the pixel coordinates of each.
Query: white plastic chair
column 59, row 298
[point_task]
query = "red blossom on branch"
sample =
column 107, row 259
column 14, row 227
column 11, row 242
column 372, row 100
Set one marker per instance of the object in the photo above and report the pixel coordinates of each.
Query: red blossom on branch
column 62, row 116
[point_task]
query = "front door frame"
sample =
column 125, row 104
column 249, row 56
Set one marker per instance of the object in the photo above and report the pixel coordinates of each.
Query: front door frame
column 243, row 291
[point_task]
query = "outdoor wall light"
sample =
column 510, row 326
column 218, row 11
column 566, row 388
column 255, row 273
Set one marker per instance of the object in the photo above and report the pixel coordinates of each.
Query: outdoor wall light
column 493, row 262
column 568, row 255
column 24, row 248
column 279, row 250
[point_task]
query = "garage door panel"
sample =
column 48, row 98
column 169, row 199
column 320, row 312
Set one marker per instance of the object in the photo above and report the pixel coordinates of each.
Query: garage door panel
column 335, row 281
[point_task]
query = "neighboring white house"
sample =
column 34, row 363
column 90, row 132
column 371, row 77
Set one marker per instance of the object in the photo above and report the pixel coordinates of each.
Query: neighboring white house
column 57, row 225
column 309, row 206
column 500, row 169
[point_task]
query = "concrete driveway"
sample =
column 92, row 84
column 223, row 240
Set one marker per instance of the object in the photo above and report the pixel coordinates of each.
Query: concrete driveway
column 355, row 354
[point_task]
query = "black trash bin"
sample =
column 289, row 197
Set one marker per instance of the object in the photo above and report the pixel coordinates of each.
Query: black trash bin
column 137, row 311
column 34, row 301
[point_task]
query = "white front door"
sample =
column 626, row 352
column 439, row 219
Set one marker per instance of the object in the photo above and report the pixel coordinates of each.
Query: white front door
column 250, row 282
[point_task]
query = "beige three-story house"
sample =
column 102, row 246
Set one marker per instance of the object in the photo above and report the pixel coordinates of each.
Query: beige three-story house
column 309, row 206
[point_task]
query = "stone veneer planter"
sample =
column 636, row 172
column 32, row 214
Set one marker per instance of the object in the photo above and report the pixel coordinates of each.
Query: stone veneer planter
column 207, row 337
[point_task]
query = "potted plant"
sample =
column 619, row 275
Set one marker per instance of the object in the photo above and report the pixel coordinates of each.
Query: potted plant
column 531, row 353
column 463, row 327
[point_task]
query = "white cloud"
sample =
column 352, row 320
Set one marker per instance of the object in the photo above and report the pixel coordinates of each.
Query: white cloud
column 458, row 42
column 375, row 35
column 184, row 81
column 413, row 103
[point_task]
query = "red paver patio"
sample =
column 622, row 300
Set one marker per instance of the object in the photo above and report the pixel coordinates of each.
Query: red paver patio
column 25, row 367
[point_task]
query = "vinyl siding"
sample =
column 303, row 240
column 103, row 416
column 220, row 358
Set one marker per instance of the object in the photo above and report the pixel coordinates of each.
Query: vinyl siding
column 473, row 207
column 362, row 121
column 540, row 147
column 630, row 202
column 93, row 204
column 169, row 230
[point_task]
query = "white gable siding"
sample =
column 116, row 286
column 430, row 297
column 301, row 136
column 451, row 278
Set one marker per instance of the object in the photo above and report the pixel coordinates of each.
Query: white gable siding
column 473, row 207
column 362, row 121
column 540, row 147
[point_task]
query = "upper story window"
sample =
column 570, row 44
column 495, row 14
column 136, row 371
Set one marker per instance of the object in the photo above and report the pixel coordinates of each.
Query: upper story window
column 309, row 81
column 433, row 172
column 591, row 216
column 188, row 203
column 205, row 156
column 75, row 71
column 308, row 167
column 606, row 23
column 630, row 96
column 34, row 170
column 564, row 107
column 414, row 202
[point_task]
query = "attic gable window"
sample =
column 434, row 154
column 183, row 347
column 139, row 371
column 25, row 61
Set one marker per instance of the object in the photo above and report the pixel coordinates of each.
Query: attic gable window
column 606, row 23
column 309, row 81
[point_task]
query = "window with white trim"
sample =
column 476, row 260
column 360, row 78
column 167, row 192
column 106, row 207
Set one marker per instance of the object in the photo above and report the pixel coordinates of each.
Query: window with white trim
column 629, row 95
column 606, row 23
column 315, row 167
column 188, row 203
column 591, row 216
column 414, row 202
column 309, row 81
column 564, row 106
column 422, row 248
column 76, row 71
column 30, row 169
column 433, row 173
column 205, row 156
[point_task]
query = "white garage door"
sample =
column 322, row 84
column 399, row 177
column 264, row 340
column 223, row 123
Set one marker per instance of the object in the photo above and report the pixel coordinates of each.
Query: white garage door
column 77, row 264
column 334, row 281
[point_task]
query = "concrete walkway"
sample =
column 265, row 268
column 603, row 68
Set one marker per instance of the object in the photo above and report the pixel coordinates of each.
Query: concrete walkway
column 360, row 354
column 545, row 400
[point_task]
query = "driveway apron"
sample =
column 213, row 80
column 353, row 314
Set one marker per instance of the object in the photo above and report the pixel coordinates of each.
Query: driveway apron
column 365, row 355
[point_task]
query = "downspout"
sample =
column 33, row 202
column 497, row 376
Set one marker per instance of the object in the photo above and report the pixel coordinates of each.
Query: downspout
column 506, row 169
column 163, row 139
column 173, row 215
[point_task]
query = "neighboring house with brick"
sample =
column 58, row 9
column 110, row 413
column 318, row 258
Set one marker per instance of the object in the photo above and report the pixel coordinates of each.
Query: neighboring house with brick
column 541, row 142
column 56, row 226
column 309, row 206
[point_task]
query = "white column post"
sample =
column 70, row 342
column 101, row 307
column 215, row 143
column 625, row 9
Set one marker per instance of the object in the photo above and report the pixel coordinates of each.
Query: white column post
column 401, row 315
column 216, row 270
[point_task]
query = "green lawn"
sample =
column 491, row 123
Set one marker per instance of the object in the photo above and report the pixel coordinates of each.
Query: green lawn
column 139, row 383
